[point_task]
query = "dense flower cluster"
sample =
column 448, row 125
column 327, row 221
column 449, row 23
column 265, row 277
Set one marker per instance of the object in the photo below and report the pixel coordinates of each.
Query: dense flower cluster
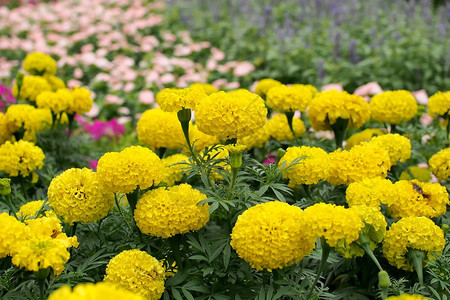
column 21, row 158
column 334, row 223
column 406, row 297
column 283, row 98
column 82, row 101
column 418, row 233
column 419, row 199
column 173, row 171
column 311, row 167
column 440, row 164
column 59, row 101
column 272, row 235
column 138, row 272
column 173, row 100
column 398, row 147
column 362, row 161
column 55, row 82
column 393, row 106
column 31, row 87
column 91, row 291
column 175, row 210
column 371, row 192
column 5, row 132
column 37, row 63
column 278, row 128
column 363, row 136
column 439, row 104
column 11, row 231
column 76, row 195
column 28, row 118
column 328, row 106
column 264, row 85
column 207, row 88
column 159, row 129
column 231, row 115
column 135, row 166
column 257, row 139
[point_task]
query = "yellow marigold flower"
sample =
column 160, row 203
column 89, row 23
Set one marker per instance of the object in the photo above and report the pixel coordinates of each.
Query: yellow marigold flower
column 257, row 139
column 440, row 164
column 278, row 128
column 82, row 101
column 363, row 136
column 29, row 210
column 28, row 117
column 122, row 172
column 418, row 233
column 312, row 167
column 371, row 192
column 374, row 228
column 328, row 106
column 91, row 291
column 5, row 131
column 76, row 195
column 334, row 223
column 231, row 115
column 59, row 101
column 11, row 231
column 55, row 82
column 417, row 198
column 398, row 147
column 416, row 172
column 201, row 140
column 173, row 172
column 362, row 161
column 159, row 129
column 175, row 210
column 407, row 297
column 264, row 85
column 138, row 272
column 32, row 86
column 311, row 88
column 50, row 227
column 439, row 104
column 21, row 158
column 173, row 100
column 38, row 63
column 271, row 235
column 283, row 98
column 208, row 88
column 393, row 106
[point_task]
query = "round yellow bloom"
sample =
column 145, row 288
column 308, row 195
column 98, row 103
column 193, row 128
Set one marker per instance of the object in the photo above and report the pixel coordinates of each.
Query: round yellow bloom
column 159, row 129
column 32, row 86
column 374, row 228
column 82, row 101
column 371, row 192
column 173, row 172
column 271, row 235
column 393, row 106
column 440, row 164
column 264, row 85
column 55, row 82
column 328, row 106
column 91, row 291
column 38, row 63
column 77, row 195
column 138, row 272
column 257, row 139
column 231, row 115
column 207, row 88
column 278, row 128
column 418, row 233
column 363, row 136
column 398, row 147
column 312, row 167
column 173, row 100
column 439, row 104
column 311, row 88
column 167, row 212
column 283, row 98
column 28, row 117
column 29, row 210
column 5, row 131
column 416, row 172
column 11, row 231
column 334, row 223
column 362, row 161
column 122, row 172
column 406, row 297
column 417, row 198
column 59, row 101
column 21, row 158
column 201, row 140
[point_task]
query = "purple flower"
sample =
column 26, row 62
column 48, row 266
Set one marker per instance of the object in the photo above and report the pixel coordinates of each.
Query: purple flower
column 111, row 129
column 271, row 159
column 93, row 164
column 5, row 95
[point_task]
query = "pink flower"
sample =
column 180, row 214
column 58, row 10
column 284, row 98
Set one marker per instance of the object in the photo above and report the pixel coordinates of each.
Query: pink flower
column 113, row 99
column 426, row 119
column 219, row 83
column 271, row 159
column 95, row 110
column 182, row 50
column 243, row 68
column 5, row 95
column 73, row 83
column 217, row 54
column 167, row 78
column 368, row 89
column 232, row 85
column 93, row 164
column 124, row 110
column 333, row 86
column 421, row 97
column 110, row 129
column 146, row 97
column 77, row 73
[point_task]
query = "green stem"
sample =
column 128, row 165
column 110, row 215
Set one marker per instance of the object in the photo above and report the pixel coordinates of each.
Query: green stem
column 184, row 116
column 234, row 172
column 364, row 243
column 325, row 252
column 339, row 129
column 290, row 119
column 71, row 119
column 394, row 128
column 133, row 198
column 174, row 243
column 417, row 257
column 41, row 276
column 161, row 152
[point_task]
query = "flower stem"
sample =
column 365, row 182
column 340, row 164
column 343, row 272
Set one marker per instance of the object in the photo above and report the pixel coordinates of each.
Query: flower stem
column 290, row 119
column 184, row 116
column 234, row 172
column 175, row 243
column 364, row 243
column 417, row 257
column 325, row 252
column 339, row 129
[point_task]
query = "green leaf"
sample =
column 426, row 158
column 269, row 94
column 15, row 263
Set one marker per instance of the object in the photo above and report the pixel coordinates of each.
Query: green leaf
column 176, row 294
column 187, row 294
column 226, row 256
